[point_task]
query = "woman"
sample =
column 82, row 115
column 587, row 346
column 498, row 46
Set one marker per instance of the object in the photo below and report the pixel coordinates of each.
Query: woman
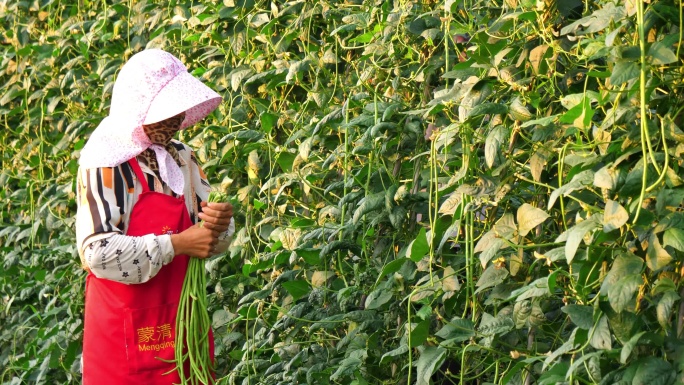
column 140, row 196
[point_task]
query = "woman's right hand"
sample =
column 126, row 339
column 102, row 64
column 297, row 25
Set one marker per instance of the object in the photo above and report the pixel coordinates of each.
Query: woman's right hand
column 195, row 241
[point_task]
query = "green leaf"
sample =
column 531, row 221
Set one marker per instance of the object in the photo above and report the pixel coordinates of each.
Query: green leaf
column 268, row 121
column 392, row 267
column 419, row 247
column 656, row 256
column 343, row 28
column 663, row 285
column 555, row 375
column 487, row 109
column 419, row 333
column 244, row 136
column 529, row 217
column 499, row 325
column 545, row 121
column 624, row 265
column 629, row 346
column 450, row 280
column 621, row 293
column 623, row 72
column 238, row 75
column 584, row 361
column 456, row 330
column 401, row 350
column 493, row 240
column 430, row 359
column 363, row 38
column 536, row 288
column 249, row 312
column 518, row 111
column 491, row 277
column 310, row 256
column 538, row 162
column 668, row 199
column 606, row 177
column 347, row 368
column 664, row 308
column 575, row 234
column 580, row 115
column 614, row 216
column 424, row 313
column 369, row 204
column 285, row 160
column 624, row 325
column 297, row 288
column 600, row 335
column 494, row 144
column 654, row 371
column 661, row 54
column 340, row 245
column 521, row 312
column 381, row 128
column 579, row 181
column 378, row 297
column 296, row 68
column 450, row 232
column 398, row 216
column 452, row 203
column 567, row 346
column 220, row 318
column 674, row 237
column 580, row 315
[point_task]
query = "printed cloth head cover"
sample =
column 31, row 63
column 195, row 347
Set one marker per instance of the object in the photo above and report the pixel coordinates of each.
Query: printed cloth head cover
column 152, row 86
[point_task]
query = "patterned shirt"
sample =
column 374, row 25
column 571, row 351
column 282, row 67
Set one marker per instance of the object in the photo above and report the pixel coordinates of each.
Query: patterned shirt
column 106, row 196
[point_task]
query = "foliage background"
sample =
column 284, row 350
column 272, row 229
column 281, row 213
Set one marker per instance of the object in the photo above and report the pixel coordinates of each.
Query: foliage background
column 457, row 192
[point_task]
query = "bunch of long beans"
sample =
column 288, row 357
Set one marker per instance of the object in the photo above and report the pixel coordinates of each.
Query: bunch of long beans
column 193, row 323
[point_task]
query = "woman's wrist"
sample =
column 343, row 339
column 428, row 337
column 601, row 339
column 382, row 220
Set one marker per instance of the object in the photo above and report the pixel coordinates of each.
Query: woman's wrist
column 178, row 244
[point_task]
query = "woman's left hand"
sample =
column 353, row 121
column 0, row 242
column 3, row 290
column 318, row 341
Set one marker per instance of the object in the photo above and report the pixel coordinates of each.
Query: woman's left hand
column 216, row 216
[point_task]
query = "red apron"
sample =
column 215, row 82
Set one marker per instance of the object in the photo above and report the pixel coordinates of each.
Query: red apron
column 130, row 329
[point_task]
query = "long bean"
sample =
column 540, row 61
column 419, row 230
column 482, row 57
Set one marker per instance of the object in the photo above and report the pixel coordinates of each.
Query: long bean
column 193, row 323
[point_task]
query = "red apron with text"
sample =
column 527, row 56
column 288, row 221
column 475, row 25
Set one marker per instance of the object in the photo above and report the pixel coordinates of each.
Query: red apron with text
column 129, row 330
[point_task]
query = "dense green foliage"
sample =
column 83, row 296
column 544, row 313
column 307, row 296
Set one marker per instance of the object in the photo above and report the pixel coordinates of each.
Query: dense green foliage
column 457, row 192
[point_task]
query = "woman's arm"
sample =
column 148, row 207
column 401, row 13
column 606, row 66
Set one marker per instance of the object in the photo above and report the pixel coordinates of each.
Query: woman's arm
column 128, row 259
column 104, row 197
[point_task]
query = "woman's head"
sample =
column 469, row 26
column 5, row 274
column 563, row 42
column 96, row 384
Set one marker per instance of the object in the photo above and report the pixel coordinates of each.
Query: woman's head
column 152, row 87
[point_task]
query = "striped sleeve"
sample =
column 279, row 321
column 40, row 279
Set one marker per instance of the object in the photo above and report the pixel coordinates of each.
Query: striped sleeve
column 101, row 198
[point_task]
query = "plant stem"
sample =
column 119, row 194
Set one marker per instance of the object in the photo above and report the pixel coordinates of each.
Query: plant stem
column 433, row 202
column 345, row 109
column 642, row 102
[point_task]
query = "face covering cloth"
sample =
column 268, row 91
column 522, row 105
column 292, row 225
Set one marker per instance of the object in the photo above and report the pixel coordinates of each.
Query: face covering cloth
column 160, row 134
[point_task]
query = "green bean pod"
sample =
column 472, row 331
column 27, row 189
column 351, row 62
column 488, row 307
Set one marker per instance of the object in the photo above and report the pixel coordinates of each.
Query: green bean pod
column 193, row 323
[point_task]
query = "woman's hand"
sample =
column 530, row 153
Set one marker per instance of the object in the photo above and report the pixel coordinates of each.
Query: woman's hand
column 216, row 216
column 196, row 241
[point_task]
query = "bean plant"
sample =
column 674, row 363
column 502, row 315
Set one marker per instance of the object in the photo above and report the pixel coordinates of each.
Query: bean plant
column 426, row 192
